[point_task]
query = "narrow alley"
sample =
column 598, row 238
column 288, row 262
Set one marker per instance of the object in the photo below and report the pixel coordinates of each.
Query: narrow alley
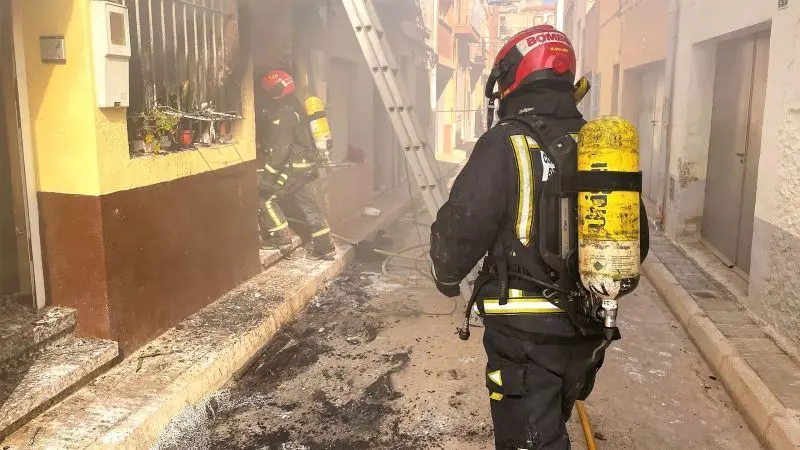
column 374, row 362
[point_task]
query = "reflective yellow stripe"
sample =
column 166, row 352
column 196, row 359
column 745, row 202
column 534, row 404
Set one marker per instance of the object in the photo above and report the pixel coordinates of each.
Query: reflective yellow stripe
column 496, row 377
column 270, row 169
column 281, row 182
column 301, row 165
column 280, row 227
column 321, row 233
column 524, row 305
column 274, row 216
column 284, row 176
column 496, row 396
column 524, row 223
column 515, row 293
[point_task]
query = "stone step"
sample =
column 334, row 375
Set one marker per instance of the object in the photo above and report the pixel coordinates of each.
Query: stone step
column 23, row 330
column 48, row 375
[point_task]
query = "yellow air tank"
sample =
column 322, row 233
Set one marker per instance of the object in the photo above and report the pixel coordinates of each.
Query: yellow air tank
column 320, row 129
column 608, row 222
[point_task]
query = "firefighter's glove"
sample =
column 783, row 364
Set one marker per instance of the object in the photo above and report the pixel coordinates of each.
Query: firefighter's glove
column 272, row 180
column 447, row 289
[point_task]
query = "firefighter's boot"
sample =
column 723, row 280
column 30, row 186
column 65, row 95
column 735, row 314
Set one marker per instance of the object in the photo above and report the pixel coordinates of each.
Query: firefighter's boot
column 322, row 245
column 277, row 240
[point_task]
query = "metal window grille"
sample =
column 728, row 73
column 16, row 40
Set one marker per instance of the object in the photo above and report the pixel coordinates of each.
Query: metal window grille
column 185, row 55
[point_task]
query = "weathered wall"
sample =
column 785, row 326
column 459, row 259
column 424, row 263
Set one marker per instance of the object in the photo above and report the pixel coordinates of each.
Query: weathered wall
column 774, row 280
column 609, row 45
column 644, row 27
column 776, row 237
column 776, row 241
column 135, row 245
column 693, row 98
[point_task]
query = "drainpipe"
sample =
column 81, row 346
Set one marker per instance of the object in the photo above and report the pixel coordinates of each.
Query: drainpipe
column 666, row 114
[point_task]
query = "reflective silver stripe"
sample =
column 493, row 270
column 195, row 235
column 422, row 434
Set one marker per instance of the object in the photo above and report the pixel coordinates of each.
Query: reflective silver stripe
column 515, row 293
column 524, row 223
column 532, row 144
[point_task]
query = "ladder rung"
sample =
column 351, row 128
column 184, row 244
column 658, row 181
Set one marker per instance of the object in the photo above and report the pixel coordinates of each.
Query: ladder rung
column 406, row 125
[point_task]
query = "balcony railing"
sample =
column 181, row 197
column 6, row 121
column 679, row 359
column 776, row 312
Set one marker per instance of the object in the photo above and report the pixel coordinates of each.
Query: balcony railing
column 471, row 19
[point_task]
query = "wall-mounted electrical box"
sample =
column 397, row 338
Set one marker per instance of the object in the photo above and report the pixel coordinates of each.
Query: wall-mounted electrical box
column 112, row 53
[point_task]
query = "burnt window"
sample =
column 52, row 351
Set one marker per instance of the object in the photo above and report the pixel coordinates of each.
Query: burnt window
column 186, row 73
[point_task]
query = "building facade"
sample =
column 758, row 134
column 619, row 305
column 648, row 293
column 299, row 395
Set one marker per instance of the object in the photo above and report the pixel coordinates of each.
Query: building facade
column 519, row 15
column 462, row 32
column 128, row 146
column 715, row 106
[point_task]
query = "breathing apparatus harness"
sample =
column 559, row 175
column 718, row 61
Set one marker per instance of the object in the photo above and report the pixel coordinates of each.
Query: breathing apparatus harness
column 552, row 261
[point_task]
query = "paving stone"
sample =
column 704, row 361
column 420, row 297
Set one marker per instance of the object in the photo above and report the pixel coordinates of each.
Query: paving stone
column 23, row 330
column 763, row 379
column 27, row 388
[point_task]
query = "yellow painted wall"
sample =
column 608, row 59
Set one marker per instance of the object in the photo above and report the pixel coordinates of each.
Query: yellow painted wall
column 61, row 98
column 81, row 149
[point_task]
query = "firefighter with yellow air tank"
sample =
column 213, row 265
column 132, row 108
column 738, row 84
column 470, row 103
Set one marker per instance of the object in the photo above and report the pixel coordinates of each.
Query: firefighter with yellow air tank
column 553, row 205
column 290, row 161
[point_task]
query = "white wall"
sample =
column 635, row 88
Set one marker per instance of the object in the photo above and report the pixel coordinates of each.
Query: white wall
column 774, row 280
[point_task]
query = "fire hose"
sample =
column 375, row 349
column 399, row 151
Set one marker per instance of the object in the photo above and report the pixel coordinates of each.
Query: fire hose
column 586, row 425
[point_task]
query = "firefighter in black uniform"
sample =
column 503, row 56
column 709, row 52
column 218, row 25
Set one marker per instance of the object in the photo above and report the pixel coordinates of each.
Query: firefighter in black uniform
column 289, row 169
column 538, row 362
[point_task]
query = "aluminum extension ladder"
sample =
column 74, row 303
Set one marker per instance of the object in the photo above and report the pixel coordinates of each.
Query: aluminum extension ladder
column 382, row 64
column 380, row 59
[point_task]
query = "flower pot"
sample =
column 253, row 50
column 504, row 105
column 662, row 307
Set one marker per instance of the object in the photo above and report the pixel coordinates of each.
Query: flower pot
column 186, row 138
column 165, row 142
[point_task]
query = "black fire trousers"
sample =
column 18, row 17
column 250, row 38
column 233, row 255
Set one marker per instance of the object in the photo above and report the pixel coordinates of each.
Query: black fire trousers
column 534, row 382
column 302, row 205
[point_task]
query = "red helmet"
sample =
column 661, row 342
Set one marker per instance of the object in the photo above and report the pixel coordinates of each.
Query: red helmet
column 538, row 53
column 278, row 83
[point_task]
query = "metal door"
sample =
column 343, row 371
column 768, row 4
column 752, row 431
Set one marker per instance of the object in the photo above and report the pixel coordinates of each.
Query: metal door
column 649, row 128
column 739, row 91
column 753, row 152
column 645, row 128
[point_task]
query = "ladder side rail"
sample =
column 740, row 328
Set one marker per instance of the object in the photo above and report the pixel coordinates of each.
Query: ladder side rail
column 390, row 70
column 372, row 46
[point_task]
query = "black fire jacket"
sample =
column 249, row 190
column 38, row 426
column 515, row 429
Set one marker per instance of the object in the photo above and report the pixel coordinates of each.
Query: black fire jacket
column 497, row 187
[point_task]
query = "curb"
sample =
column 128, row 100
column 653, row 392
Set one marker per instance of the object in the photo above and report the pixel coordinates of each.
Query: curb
column 216, row 375
column 768, row 418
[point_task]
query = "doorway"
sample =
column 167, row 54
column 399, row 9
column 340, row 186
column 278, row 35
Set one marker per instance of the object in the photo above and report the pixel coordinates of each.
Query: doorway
column 20, row 250
column 735, row 147
column 648, row 124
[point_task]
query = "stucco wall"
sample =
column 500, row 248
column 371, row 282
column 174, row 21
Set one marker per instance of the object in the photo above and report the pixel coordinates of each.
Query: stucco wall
column 776, row 238
column 774, row 280
column 644, row 27
column 609, row 45
column 81, row 149
column 702, row 25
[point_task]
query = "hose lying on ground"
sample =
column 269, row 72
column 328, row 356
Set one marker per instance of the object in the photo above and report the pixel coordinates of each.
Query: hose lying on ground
column 587, row 426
